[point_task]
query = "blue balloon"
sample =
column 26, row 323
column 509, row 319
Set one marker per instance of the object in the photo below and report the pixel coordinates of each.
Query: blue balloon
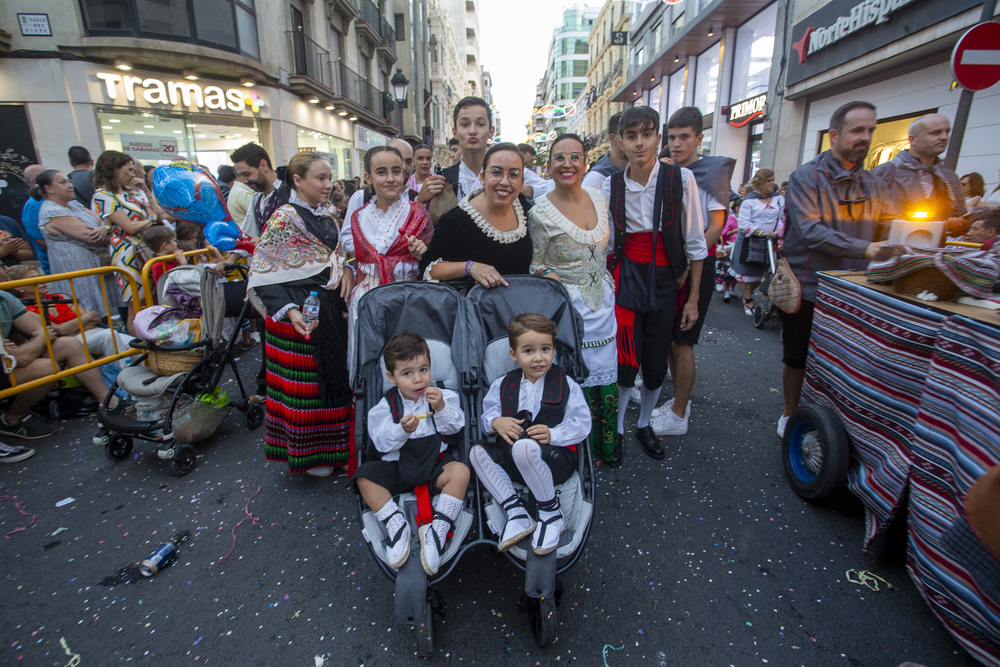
column 222, row 234
column 189, row 192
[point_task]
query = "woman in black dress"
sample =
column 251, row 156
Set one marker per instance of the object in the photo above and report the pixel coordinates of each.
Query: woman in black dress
column 486, row 236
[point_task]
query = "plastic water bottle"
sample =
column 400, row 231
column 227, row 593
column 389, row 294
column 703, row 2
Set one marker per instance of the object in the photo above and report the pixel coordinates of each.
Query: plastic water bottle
column 310, row 310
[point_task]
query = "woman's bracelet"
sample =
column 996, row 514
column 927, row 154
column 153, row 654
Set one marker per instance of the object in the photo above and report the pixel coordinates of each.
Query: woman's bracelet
column 546, row 272
column 468, row 268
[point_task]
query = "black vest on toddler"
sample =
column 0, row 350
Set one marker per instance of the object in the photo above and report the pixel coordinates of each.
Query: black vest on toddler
column 419, row 456
column 555, row 394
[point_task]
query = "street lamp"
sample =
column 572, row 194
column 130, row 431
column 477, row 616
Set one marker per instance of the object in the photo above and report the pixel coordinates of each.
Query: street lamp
column 399, row 87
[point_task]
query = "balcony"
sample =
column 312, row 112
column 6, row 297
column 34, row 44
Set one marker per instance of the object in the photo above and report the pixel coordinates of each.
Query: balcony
column 388, row 46
column 349, row 9
column 369, row 23
column 311, row 74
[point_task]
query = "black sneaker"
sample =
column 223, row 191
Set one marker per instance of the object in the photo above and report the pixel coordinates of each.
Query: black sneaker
column 29, row 428
column 9, row 454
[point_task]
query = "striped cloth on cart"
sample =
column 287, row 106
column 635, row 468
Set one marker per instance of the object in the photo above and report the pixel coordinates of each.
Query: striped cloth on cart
column 957, row 440
column 868, row 358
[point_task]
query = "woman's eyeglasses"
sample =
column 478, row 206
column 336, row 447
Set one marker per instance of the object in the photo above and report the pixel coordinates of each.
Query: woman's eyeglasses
column 559, row 158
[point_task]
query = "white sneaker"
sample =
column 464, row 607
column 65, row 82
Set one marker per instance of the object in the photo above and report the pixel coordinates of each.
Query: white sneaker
column 398, row 547
column 782, row 423
column 719, row 287
column 670, row 407
column 546, row 537
column 671, row 424
column 516, row 529
column 430, row 550
column 321, row 471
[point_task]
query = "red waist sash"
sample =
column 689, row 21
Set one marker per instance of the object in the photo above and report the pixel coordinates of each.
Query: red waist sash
column 639, row 248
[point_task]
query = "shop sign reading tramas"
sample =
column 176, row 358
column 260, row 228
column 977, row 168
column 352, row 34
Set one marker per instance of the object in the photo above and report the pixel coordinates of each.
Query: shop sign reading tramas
column 184, row 93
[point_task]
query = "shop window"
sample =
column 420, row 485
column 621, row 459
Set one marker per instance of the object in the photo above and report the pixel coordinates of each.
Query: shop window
column 752, row 55
column 676, row 91
column 230, row 25
column 889, row 138
column 706, row 79
column 336, row 151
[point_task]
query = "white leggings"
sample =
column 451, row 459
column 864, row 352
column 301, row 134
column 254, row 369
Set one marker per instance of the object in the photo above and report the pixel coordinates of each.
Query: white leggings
column 527, row 457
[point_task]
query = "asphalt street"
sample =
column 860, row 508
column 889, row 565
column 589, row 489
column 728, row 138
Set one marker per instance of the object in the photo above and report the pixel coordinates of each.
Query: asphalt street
column 705, row 558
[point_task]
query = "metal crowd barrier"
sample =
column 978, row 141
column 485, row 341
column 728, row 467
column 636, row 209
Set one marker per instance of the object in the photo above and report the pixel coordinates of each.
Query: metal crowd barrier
column 42, row 305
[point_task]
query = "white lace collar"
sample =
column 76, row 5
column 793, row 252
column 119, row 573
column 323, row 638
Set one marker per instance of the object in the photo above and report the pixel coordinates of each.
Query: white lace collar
column 583, row 236
column 323, row 210
column 492, row 232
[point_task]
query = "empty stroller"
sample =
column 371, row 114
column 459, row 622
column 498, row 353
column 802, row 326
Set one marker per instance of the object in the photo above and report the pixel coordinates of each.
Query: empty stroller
column 439, row 314
column 181, row 383
column 493, row 309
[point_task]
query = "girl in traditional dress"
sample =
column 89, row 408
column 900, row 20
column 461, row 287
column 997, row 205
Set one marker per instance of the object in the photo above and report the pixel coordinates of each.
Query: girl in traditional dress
column 486, row 235
column 422, row 164
column 388, row 235
column 569, row 236
column 761, row 214
column 127, row 219
column 310, row 412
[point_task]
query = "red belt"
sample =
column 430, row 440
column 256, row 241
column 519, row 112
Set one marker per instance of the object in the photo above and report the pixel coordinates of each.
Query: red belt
column 639, row 248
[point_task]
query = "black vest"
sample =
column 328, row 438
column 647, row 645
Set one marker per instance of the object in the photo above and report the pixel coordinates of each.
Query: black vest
column 555, row 394
column 419, row 456
column 638, row 288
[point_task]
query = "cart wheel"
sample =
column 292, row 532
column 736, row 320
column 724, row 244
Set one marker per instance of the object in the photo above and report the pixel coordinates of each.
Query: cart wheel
column 542, row 616
column 758, row 317
column 254, row 417
column 425, row 632
column 118, row 448
column 816, row 452
column 184, row 460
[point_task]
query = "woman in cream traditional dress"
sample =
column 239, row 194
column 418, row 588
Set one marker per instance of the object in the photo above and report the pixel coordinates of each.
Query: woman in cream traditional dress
column 570, row 236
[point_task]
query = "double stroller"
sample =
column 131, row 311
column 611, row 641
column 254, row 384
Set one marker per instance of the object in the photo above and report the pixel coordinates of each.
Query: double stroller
column 467, row 337
column 181, row 381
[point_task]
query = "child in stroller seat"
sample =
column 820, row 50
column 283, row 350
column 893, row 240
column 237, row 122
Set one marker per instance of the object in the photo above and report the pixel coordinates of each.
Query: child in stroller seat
column 406, row 427
column 541, row 414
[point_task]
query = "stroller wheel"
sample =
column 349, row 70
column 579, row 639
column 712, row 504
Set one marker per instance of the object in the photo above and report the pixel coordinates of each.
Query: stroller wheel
column 184, row 460
column 119, row 448
column 425, row 632
column 542, row 616
column 254, row 416
column 758, row 317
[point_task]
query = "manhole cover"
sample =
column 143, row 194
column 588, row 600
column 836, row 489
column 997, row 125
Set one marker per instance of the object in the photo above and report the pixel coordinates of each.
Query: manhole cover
column 716, row 336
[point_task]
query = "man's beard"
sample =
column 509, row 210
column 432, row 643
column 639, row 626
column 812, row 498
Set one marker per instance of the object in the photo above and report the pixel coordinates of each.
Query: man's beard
column 855, row 154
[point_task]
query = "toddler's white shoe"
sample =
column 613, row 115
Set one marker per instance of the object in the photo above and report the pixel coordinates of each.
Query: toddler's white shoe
column 398, row 546
column 550, row 527
column 519, row 525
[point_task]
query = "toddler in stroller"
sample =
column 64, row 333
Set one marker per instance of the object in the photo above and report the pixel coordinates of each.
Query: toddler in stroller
column 406, row 427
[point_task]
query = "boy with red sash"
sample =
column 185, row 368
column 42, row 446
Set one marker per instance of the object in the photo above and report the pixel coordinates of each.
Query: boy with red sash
column 659, row 242
column 540, row 416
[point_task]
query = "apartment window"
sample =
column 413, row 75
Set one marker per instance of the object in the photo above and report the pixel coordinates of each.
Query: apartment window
column 400, row 27
column 656, row 36
column 230, row 25
column 752, row 54
column 677, row 25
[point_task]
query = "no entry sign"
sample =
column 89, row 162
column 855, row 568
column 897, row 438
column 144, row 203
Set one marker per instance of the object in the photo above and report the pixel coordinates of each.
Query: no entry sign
column 976, row 58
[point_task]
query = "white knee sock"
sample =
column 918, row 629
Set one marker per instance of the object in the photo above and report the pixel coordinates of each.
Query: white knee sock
column 395, row 522
column 493, row 477
column 528, row 457
column 450, row 506
column 623, row 396
column 649, row 399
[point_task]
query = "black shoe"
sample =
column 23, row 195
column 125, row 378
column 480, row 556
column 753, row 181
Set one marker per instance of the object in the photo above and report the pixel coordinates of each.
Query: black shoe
column 616, row 457
column 650, row 442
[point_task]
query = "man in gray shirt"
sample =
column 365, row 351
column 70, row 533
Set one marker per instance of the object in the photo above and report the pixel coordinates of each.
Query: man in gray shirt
column 82, row 163
column 835, row 208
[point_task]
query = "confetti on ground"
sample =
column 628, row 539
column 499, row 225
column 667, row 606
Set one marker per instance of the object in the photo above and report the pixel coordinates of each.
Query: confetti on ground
column 866, row 578
column 65, row 501
column 74, row 658
column 249, row 515
column 17, row 506
column 604, row 652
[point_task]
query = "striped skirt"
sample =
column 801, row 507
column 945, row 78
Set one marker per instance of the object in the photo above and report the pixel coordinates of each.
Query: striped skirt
column 301, row 427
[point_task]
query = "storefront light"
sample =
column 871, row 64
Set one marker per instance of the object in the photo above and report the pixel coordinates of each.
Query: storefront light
column 191, row 76
column 106, row 127
column 313, row 100
column 113, row 120
column 148, row 127
column 342, row 113
column 178, row 132
column 190, row 125
column 248, row 82
column 139, row 132
column 329, row 106
column 353, row 118
column 123, row 66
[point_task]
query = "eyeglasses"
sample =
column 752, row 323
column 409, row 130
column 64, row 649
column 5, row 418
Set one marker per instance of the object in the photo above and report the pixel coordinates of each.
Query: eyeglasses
column 561, row 157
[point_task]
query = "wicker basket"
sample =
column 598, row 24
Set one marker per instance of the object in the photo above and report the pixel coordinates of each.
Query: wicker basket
column 167, row 363
column 928, row 279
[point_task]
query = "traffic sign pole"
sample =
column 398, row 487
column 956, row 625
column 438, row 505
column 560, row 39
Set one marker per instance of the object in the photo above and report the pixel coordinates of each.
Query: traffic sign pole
column 964, row 105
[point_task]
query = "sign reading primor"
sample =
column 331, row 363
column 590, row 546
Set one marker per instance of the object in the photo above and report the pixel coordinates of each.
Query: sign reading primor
column 743, row 112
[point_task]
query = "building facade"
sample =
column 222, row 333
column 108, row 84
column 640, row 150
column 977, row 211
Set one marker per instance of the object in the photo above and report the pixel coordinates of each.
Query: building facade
column 565, row 77
column 173, row 80
column 448, row 76
column 606, row 75
column 714, row 55
column 899, row 60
